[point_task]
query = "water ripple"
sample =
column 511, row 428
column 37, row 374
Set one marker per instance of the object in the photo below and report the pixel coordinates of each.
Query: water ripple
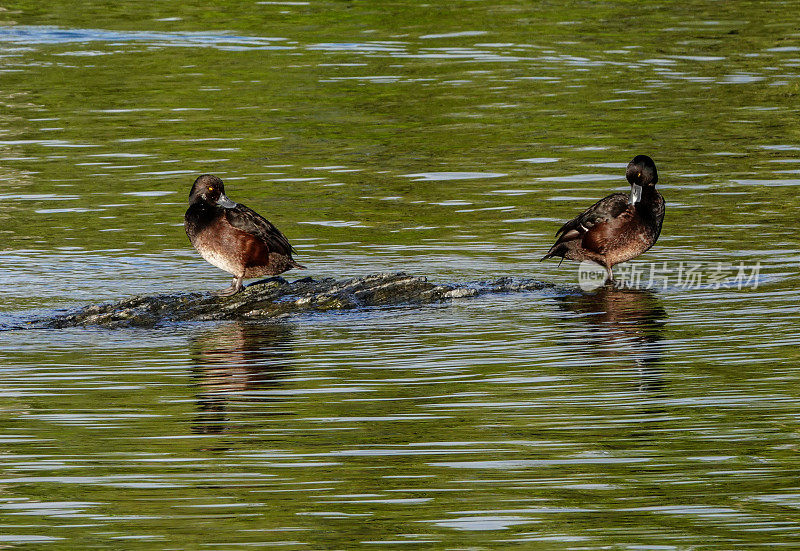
column 27, row 34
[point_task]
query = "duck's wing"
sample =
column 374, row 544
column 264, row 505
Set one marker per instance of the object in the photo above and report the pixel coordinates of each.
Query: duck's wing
column 587, row 229
column 605, row 210
column 249, row 221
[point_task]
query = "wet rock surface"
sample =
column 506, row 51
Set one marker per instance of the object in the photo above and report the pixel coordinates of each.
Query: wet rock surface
column 276, row 297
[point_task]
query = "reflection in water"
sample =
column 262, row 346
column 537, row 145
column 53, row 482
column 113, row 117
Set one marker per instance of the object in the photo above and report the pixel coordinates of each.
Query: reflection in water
column 234, row 361
column 632, row 322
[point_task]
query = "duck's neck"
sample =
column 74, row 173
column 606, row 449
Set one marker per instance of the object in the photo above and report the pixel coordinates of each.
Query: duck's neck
column 648, row 195
column 651, row 207
column 201, row 214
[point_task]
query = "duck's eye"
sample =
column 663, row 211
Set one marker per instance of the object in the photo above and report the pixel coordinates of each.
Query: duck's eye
column 639, row 175
column 212, row 189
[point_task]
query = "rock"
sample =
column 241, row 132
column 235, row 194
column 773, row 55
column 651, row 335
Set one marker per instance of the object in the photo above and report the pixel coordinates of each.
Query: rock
column 276, row 297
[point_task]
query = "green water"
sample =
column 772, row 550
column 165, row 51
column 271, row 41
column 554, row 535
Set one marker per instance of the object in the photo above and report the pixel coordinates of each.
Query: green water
column 447, row 139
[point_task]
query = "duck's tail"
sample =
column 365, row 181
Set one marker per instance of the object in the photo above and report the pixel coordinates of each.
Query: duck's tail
column 559, row 249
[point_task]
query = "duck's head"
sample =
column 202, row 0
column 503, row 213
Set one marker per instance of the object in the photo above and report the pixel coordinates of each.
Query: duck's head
column 209, row 189
column 641, row 173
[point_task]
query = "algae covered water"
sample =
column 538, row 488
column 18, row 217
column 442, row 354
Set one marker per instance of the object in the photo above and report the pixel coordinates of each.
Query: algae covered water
column 446, row 140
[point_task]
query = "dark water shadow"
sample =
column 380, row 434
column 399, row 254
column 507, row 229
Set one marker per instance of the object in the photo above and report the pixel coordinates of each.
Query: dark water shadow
column 627, row 323
column 233, row 364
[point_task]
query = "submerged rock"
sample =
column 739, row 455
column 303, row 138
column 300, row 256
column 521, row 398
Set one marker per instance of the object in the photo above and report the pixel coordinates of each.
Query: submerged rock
column 277, row 297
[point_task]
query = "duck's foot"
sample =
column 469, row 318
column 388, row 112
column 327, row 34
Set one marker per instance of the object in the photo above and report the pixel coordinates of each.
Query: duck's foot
column 235, row 287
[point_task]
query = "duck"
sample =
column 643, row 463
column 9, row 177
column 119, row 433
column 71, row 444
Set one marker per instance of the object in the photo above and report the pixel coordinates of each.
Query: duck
column 619, row 227
column 233, row 237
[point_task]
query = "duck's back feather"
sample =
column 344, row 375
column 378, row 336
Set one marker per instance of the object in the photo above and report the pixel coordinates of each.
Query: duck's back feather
column 249, row 221
column 606, row 209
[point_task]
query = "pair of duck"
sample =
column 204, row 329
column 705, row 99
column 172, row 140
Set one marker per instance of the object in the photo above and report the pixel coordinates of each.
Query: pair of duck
column 240, row 241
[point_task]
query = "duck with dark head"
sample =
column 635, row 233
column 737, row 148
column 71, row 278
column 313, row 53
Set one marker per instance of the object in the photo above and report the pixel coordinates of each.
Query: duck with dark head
column 234, row 237
column 619, row 227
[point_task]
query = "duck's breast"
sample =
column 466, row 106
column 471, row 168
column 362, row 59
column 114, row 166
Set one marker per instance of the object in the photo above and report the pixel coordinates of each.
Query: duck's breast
column 222, row 246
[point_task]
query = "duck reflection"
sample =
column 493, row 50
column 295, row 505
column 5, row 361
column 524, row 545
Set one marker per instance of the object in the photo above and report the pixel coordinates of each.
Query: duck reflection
column 631, row 321
column 232, row 363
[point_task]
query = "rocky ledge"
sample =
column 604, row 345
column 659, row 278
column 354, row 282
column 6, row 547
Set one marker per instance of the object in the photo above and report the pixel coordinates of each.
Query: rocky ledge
column 276, row 297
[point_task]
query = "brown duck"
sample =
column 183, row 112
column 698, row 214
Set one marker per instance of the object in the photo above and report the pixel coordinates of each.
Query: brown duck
column 234, row 237
column 619, row 227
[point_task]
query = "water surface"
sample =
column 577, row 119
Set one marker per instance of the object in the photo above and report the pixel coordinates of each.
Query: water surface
column 447, row 140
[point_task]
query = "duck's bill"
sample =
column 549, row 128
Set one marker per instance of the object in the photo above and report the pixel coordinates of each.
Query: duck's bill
column 224, row 202
column 636, row 194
